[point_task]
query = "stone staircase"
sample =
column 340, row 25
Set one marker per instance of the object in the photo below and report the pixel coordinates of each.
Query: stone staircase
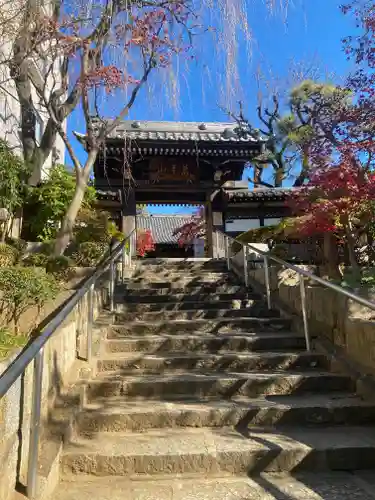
column 201, row 393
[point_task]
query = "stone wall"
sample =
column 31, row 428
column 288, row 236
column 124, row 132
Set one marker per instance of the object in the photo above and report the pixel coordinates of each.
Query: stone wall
column 60, row 369
column 344, row 323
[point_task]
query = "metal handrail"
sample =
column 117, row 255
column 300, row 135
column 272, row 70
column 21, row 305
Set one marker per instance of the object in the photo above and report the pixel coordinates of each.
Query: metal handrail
column 35, row 351
column 302, row 272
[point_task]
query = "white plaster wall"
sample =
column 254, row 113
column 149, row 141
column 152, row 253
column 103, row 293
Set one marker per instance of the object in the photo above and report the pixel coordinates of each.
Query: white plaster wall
column 241, row 225
column 9, row 105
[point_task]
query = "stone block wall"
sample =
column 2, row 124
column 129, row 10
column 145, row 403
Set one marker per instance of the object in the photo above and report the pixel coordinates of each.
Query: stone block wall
column 59, row 370
column 345, row 323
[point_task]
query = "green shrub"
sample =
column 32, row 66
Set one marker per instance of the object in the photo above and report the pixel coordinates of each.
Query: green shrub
column 47, row 247
column 96, row 226
column 280, row 250
column 61, row 267
column 89, row 253
column 14, row 173
column 8, row 255
column 22, row 288
column 47, row 203
column 36, row 260
column 9, row 341
column 17, row 243
column 114, row 232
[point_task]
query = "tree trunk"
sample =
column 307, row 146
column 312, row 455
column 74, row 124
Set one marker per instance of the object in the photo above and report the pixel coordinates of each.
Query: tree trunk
column 66, row 231
column 279, row 177
column 3, row 227
column 303, row 175
column 331, row 257
column 258, row 171
column 350, row 241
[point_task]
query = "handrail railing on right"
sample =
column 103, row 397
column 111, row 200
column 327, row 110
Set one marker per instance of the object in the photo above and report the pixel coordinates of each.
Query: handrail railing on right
column 226, row 239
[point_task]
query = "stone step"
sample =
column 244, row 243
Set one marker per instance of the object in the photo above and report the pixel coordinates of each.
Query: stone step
column 184, row 265
column 226, row 385
column 171, row 291
column 225, row 450
column 194, row 305
column 152, row 344
column 180, row 284
column 258, row 311
column 183, row 298
column 145, row 363
column 169, row 276
column 204, row 325
column 334, row 485
column 117, row 414
column 167, row 272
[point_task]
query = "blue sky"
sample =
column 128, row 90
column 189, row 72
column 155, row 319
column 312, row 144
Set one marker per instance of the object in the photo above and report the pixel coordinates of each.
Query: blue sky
column 309, row 37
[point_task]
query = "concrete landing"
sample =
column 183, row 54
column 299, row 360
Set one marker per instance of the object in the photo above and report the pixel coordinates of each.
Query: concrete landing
column 332, row 486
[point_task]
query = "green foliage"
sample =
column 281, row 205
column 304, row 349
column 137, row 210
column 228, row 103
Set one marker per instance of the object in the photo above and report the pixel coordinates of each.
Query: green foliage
column 96, row 226
column 47, row 247
column 278, row 232
column 22, row 288
column 89, row 253
column 37, row 259
column 13, row 186
column 13, row 177
column 8, row 255
column 309, row 93
column 61, row 267
column 17, row 243
column 9, row 341
column 114, row 232
column 350, row 278
column 47, row 204
column 280, row 250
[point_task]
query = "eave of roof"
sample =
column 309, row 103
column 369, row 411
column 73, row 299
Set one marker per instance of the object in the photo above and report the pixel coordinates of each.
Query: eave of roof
column 222, row 133
column 278, row 194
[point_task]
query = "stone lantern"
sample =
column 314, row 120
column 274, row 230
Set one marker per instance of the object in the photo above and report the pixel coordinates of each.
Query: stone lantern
column 4, row 215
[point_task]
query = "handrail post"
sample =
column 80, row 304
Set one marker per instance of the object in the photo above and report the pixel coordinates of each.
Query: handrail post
column 267, row 281
column 123, row 265
column 304, row 313
column 90, row 321
column 112, row 285
column 245, row 269
column 227, row 251
column 33, row 458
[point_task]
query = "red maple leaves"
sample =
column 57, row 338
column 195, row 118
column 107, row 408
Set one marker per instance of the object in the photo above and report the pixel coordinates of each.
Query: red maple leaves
column 334, row 197
column 341, row 187
column 131, row 35
column 145, row 242
column 195, row 228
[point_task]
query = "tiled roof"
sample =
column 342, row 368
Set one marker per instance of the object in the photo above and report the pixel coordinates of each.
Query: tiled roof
column 162, row 226
column 182, row 131
column 259, row 194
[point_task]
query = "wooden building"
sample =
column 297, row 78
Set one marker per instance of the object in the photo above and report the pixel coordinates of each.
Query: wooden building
column 172, row 163
column 245, row 209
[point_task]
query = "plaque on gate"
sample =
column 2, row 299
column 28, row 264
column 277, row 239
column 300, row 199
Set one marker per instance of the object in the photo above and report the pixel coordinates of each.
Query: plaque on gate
column 165, row 170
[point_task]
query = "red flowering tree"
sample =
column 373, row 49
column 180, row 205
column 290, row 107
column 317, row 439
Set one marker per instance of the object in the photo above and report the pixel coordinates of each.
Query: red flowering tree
column 340, row 139
column 195, row 228
column 338, row 200
column 145, row 242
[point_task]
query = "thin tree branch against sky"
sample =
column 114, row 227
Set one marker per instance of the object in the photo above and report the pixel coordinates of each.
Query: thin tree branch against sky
column 281, row 35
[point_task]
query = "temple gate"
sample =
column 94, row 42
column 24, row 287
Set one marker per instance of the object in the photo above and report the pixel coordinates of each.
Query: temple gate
column 175, row 163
